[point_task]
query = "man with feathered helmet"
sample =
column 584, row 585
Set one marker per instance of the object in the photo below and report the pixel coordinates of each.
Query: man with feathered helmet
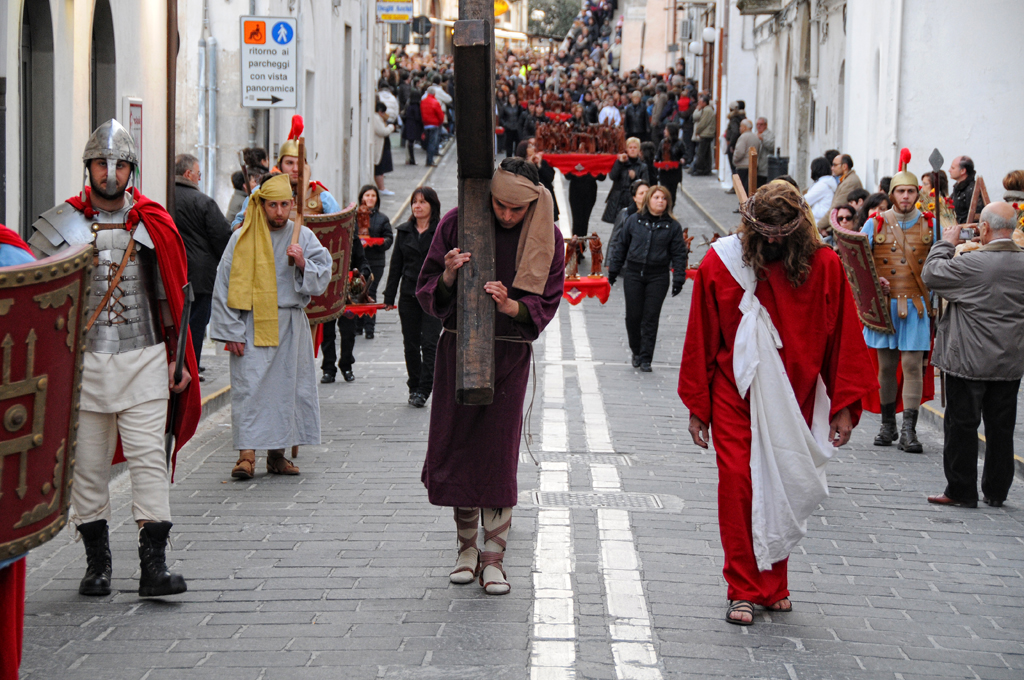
column 900, row 239
column 318, row 200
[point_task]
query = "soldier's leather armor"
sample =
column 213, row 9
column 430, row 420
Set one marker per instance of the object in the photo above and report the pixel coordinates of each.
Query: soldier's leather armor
column 130, row 319
column 891, row 255
column 314, row 205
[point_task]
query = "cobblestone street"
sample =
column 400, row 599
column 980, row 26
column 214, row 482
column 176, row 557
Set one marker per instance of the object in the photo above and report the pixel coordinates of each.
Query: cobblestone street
column 614, row 554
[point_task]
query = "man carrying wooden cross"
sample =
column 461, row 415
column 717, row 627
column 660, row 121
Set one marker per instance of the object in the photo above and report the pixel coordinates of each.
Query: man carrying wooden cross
column 473, row 451
column 258, row 303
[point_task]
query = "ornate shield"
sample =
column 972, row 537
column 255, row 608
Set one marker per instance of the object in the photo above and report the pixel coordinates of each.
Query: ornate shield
column 872, row 305
column 335, row 232
column 42, row 311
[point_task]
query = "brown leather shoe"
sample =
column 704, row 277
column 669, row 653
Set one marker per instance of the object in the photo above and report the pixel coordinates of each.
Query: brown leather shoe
column 943, row 499
column 245, row 468
column 277, row 464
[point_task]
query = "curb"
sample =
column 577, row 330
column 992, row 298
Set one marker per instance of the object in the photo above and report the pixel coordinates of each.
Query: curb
column 703, row 211
column 212, row 403
column 936, row 419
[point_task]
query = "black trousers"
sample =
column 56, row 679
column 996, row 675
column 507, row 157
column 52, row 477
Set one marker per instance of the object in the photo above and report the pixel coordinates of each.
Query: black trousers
column 198, row 320
column 582, row 197
column 347, row 329
column 420, row 332
column 645, row 294
column 370, row 322
column 670, row 179
column 702, row 161
column 744, row 175
column 968, row 402
column 511, row 142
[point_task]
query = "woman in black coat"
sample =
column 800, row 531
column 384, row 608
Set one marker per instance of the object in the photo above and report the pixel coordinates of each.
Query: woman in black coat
column 648, row 245
column 638, row 190
column 380, row 227
column 628, row 168
column 671, row 150
column 420, row 330
column 511, row 113
column 412, row 125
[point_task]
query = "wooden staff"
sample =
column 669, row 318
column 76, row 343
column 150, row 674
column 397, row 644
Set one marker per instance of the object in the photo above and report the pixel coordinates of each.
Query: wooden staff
column 741, row 191
column 300, row 195
column 979, row 190
column 752, row 171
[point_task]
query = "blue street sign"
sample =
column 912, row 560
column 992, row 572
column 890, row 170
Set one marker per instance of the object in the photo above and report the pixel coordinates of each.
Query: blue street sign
column 282, row 33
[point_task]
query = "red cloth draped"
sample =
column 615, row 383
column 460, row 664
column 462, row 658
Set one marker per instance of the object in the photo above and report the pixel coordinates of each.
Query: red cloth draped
column 558, row 117
column 171, row 258
column 9, row 238
column 873, row 403
column 582, row 163
column 666, row 165
column 12, row 618
column 821, row 335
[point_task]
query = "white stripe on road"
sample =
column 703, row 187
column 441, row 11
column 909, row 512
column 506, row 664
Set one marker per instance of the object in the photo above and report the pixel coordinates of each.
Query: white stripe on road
column 630, row 627
column 553, row 644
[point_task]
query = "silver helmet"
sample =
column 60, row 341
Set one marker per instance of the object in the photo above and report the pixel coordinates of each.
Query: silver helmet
column 112, row 142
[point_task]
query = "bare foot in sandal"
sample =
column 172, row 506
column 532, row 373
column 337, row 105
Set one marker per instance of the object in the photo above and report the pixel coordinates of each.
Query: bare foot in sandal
column 783, row 606
column 740, row 612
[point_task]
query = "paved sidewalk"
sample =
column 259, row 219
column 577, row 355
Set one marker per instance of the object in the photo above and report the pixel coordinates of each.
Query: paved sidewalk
column 614, row 555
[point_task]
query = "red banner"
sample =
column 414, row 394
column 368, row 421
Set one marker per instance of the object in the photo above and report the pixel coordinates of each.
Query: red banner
column 582, row 163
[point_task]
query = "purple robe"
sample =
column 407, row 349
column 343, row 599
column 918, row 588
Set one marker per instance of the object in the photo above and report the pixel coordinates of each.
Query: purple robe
column 473, row 451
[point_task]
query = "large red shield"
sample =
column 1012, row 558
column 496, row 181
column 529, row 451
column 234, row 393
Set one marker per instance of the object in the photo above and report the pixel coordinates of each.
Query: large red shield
column 42, row 311
column 872, row 305
column 335, row 232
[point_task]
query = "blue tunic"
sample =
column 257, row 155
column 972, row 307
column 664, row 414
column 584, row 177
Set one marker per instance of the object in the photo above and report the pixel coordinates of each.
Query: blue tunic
column 913, row 334
column 13, row 255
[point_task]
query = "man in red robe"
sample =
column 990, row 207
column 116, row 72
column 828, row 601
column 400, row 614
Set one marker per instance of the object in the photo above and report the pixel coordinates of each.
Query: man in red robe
column 803, row 288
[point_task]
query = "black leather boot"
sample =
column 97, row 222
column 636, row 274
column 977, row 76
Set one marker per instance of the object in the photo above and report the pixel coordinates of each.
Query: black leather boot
column 97, row 555
column 156, row 580
column 908, row 437
column 888, row 432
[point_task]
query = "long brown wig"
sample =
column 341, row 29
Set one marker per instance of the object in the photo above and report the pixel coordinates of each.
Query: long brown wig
column 779, row 203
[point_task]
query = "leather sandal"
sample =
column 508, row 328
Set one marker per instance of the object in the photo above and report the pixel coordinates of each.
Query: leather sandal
column 277, row 464
column 741, row 607
column 467, row 566
column 245, row 468
column 495, row 559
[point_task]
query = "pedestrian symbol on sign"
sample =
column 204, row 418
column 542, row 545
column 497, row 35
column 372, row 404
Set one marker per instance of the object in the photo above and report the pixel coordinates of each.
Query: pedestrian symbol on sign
column 282, row 33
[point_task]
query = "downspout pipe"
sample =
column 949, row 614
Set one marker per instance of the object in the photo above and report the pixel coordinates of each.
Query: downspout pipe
column 203, row 129
column 211, row 117
column 171, row 74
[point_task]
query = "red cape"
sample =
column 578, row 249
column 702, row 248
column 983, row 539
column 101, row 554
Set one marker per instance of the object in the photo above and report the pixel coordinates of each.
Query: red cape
column 171, row 258
column 872, row 402
column 9, row 238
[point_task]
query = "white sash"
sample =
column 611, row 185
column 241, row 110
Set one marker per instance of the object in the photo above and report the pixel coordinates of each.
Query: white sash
column 787, row 459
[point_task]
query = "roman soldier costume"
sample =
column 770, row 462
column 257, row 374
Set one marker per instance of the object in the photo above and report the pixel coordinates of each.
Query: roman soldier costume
column 133, row 308
column 899, row 246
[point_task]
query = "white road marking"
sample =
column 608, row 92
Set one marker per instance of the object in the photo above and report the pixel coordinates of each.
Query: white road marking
column 553, row 644
column 630, row 628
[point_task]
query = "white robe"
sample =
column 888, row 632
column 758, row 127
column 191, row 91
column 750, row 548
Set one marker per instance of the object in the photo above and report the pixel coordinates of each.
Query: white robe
column 274, row 399
column 787, row 459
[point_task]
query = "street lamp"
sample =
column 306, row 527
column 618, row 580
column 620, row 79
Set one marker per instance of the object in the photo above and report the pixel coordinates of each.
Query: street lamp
column 695, row 47
column 709, row 34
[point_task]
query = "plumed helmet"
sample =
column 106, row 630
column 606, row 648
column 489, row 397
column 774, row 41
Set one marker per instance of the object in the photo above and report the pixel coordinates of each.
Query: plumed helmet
column 291, row 145
column 903, row 178
column 113, row 142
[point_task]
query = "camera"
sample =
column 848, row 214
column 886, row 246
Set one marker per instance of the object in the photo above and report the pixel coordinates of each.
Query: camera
column 967, row 233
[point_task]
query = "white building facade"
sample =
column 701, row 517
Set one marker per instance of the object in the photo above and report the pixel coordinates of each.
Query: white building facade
column 869, row 77
column 68, row 65
column 340, row 53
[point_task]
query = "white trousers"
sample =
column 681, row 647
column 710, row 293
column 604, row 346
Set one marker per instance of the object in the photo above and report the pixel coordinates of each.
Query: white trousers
column 142, row 439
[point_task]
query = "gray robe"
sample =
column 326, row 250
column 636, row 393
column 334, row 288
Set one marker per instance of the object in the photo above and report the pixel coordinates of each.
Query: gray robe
column 274, row 400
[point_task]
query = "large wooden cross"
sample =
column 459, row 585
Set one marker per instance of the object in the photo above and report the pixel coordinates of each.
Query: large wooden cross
column 473, row 40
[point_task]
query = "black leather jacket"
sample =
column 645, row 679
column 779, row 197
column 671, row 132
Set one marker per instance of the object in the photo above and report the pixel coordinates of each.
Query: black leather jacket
column 380, row 227
column 411, row 249
column 649, row 244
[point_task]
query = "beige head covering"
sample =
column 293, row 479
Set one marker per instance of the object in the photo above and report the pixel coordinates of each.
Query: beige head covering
column 537, row 240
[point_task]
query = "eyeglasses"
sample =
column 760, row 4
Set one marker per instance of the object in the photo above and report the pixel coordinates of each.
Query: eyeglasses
column 844, row 218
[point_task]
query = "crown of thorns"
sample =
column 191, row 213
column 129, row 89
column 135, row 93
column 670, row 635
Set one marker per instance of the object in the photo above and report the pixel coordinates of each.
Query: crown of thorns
column 765, row 228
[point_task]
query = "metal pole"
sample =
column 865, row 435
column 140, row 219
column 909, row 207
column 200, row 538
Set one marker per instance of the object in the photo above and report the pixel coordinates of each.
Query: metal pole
column 172, row 74
column 210, row 177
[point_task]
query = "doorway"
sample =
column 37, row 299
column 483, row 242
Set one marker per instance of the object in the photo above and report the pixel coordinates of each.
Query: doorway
column 37, row 126
column 103, row 70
